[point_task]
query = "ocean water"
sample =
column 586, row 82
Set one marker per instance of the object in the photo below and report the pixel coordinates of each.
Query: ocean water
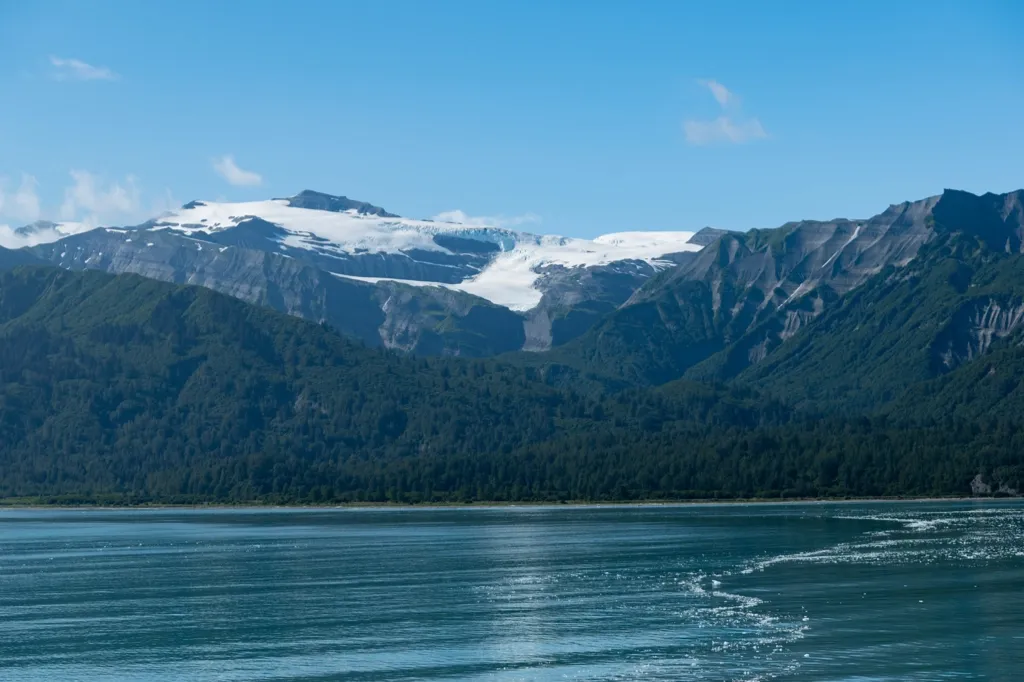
column 823, row 592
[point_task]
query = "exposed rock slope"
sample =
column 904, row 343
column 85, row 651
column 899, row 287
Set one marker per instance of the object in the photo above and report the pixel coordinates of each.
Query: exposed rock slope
column 421, row 286
column 744, row 295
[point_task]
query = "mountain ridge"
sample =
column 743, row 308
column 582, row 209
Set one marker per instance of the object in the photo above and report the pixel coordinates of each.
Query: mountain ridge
column 645, row 307
column 746, row 294
column 449, row 288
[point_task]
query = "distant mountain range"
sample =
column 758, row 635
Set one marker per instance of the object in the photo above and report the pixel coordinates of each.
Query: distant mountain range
column 647, row 306
column 874, row 356
column 416, row 285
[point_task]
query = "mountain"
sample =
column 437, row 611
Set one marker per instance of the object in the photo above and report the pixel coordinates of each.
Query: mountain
column 422, row 286
column 745, row 295
column 11, row 258
column 847, row 357
column 960, row 299
column 325, row 202
column 707, row 235
column 625, row 308
column 422, row 320
column 121, row 383
column 124, row 389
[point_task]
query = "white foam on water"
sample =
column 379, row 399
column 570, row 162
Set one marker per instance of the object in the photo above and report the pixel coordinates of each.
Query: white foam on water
column 972, row 535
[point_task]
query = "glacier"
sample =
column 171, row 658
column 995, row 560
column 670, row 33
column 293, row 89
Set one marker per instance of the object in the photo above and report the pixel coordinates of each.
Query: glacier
column 510, row 277
column 358, row 241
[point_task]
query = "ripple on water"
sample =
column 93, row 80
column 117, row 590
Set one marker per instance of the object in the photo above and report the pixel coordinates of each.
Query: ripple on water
column 713, row 593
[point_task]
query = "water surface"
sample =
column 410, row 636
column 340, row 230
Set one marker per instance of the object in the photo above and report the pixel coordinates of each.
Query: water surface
column 824, row 592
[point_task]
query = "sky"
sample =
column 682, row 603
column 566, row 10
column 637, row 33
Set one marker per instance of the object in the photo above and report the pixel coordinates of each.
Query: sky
column 574, row 118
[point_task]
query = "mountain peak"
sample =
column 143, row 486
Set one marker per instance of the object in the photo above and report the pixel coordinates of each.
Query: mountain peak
column 37, row 226
column 996, row 219
column 321, row 201
column 707, row 235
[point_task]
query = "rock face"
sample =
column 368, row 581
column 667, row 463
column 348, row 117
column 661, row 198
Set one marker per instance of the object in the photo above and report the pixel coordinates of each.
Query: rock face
column 995, row 219
column 419, row 286
column 415, row 319
column 744, row 295
column 791, row 261
column 960, row 299
column 974, row 327
column 980, row 487
column 707, row 235
column 319, row 201
column 646, row 307
column 249, row 274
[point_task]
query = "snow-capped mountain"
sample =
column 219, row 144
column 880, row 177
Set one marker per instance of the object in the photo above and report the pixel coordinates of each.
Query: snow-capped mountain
column 503, row 266
column 420, row 285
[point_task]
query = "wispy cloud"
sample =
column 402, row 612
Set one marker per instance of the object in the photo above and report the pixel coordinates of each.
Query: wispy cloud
column 16, row 238
column 722, row 94
column 76, row 69
column 163, row 204
column 91, row 200
column 229, row 170
column 22, row 206
column 723, row 129
column 88, row 201
column 23, row 203
column 729, row 127
column 461, row 217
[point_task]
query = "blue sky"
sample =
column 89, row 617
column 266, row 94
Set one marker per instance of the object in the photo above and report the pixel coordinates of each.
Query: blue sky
column 571, row 117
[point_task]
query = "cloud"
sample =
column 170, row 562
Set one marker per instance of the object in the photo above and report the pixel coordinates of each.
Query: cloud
column 77, row 70
column 89, row 201
column 164, row 204
column 462, row 218
column 722, row 94
column 92, row 201
column 229, row 170
column 23, row 204
column 11, row 238
column 723, row 129
column 23, row 207
column 730, row 127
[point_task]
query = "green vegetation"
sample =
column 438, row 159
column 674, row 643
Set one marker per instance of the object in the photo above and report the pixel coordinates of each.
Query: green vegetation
column 904, row 326
column 123, row 389
column 10, row 258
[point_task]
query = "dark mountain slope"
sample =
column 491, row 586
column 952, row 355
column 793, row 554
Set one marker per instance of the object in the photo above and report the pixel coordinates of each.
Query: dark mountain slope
column 121, row 384
column 984, row 393
column 126, row 389
column 148, row 348
column 420, row 320
column 963, row 292
column 12, row 258
column 746, row 295
column 320, row 201
column 905, row 326
column 992, row 220
column 770, row 282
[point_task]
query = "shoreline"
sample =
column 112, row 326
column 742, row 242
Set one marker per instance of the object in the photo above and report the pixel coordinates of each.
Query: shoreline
column 493, row 505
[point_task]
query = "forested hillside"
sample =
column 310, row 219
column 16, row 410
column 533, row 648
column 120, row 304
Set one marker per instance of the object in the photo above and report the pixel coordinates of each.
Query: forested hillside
column 126, row 389
column 11, row 258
